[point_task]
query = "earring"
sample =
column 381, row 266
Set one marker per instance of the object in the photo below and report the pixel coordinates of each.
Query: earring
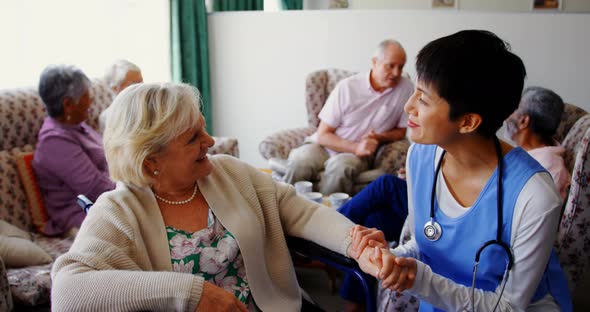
column 156, row 172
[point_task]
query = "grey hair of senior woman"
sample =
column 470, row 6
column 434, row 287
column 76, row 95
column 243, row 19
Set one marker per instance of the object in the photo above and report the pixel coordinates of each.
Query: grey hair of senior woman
column 145, row 118
column 116, row 72
column 59, row 82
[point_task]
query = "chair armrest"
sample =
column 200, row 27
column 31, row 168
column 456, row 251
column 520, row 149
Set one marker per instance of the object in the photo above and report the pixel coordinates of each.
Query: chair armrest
column 279, row 144
column 225, row 145
column 278, row 166
column 305, row 248
column 392, row 156
column 312, row 250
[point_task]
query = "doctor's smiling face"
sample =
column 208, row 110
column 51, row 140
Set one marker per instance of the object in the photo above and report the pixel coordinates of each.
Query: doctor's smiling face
column 428, row 116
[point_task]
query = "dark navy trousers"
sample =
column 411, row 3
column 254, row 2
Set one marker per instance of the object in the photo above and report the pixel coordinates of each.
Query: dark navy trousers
column 383, row 204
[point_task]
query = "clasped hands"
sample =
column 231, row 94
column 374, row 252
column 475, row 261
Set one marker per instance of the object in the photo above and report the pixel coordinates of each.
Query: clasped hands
column 371, row 251
column 368, row 144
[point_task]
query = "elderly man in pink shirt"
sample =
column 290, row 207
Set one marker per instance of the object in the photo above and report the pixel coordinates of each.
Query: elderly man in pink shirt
column 532, row 127
column 363, row 111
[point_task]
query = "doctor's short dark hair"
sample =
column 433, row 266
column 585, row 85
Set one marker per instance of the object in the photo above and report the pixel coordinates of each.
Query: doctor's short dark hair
column 475, row 72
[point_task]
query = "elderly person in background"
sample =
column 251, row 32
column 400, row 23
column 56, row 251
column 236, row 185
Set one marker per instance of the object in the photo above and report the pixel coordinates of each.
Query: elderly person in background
column 184, row 230
column 361, row 113
column 69, row 158
column 119, row 76
column 533, row 125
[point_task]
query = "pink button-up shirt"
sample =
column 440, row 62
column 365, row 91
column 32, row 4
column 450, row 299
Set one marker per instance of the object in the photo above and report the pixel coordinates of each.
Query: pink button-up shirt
column 354, row 108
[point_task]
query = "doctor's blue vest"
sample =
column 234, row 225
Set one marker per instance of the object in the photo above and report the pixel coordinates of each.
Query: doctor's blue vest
column 453, row 255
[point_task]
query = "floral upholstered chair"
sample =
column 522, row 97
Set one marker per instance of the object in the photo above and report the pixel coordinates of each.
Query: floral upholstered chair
column 5, row 295
column 276, row 147
column 573, row 237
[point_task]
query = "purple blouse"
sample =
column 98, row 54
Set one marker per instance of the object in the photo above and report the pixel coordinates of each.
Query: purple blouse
column 69, row 160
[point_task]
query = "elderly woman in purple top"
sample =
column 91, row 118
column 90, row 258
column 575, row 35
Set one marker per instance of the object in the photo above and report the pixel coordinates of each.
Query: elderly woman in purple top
column 69, row 158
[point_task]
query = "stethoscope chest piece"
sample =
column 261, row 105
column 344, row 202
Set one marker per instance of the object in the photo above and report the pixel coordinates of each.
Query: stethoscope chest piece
column 432, row 230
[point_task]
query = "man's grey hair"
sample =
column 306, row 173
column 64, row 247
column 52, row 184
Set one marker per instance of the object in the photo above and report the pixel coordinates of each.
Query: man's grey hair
column 59, row 82
column 380, row 51
column 116, row 72
column 544, row 108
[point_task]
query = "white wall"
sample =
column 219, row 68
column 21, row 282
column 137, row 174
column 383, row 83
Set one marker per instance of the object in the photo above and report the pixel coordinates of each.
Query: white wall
column 88, row 34
column 259, row 60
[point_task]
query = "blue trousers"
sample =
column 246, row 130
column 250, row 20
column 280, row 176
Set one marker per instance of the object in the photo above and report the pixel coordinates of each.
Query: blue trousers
column 383, row 204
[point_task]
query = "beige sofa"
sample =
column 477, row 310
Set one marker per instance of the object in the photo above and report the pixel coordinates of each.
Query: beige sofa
column 21, row 116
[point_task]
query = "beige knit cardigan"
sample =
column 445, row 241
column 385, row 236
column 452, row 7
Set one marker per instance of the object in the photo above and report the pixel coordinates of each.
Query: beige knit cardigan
column 120, row 260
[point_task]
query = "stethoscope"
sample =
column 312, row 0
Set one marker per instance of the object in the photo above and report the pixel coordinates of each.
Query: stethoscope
column 433, row 230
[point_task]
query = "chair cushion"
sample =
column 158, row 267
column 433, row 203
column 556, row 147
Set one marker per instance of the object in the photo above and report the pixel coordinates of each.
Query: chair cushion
column 13, row 202
column 19, row 252
column 7, row 229
column 24, row 164
column 17, row 249
column 31, row 285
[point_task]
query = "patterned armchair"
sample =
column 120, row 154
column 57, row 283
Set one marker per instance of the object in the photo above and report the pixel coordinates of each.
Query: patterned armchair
column 5, row 295
column 573, row 237
column 318, row 85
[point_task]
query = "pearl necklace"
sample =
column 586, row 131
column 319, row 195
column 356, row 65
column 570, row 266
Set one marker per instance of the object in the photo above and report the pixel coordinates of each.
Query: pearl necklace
column 179, row 202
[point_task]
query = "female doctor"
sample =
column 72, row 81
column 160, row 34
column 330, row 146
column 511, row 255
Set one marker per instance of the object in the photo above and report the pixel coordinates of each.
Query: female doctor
column 482, row 215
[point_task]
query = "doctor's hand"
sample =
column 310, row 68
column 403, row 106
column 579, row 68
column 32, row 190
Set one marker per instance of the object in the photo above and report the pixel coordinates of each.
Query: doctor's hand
column 397, row 273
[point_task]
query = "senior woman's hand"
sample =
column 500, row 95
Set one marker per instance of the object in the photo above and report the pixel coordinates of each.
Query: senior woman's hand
column 361, row 236
column 215, row 298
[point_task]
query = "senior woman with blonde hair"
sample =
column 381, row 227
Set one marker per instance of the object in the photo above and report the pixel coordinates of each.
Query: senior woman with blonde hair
column 184, row 230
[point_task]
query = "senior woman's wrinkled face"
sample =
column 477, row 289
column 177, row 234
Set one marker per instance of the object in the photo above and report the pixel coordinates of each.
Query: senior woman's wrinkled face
column 76, row 113
column 185, row 159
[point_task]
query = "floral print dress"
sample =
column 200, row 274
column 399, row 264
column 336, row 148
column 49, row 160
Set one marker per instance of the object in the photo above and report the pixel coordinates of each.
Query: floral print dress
column 212, row 253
